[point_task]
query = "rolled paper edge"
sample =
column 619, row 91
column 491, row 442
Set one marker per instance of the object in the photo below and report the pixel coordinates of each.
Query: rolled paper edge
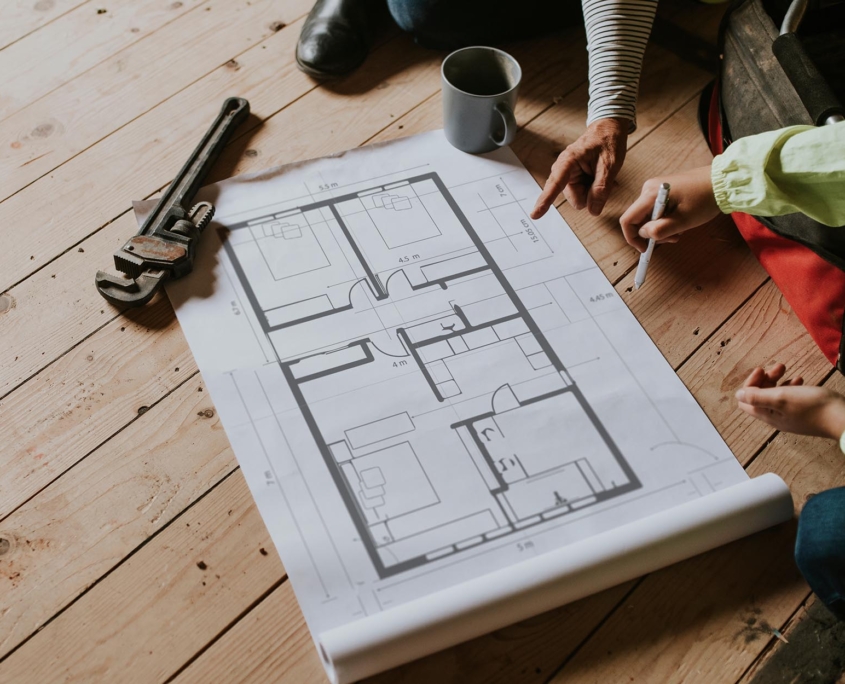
column 470, row 609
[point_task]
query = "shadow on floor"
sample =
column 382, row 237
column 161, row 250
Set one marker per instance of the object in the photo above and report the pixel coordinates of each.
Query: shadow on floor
column 814, row 653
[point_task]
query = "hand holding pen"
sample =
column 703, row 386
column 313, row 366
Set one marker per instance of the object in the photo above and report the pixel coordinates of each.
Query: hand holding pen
column 692, row 205
column 657, row 212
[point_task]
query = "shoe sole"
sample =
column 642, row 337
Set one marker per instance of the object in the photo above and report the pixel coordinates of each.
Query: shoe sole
column 323, row 75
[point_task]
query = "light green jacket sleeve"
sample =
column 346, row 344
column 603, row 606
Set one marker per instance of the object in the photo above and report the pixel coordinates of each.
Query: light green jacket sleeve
column 795, row 169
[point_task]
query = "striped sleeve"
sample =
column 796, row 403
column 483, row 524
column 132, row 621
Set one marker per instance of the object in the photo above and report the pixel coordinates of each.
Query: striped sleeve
column 617, row 33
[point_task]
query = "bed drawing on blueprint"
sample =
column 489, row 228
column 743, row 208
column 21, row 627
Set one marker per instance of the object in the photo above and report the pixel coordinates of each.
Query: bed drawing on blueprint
column 486, row 432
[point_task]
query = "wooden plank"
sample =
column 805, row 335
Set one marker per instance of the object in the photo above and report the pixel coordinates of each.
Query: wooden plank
column 211, row 559
column 85, row 523
column 48, row 132
column 764, row 331
column 708, row 619
column 420, row 73
column 692, row 287
column 56, row 308
column 139, row 167
column 689, row 622
column 22, row 17
column 139, row 158
column 74, row 43
column 272, row 644
column 98, row 388
column 526, row 652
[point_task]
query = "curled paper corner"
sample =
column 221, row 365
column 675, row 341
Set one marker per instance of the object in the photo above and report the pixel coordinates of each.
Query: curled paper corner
column 420, row 627
column 328, row 664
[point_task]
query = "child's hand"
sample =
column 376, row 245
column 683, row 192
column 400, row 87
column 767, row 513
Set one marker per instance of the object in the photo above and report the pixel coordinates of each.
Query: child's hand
column 691, row 204
column 792, row 407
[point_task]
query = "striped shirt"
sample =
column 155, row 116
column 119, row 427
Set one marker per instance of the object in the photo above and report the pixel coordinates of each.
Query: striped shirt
column 617, row 33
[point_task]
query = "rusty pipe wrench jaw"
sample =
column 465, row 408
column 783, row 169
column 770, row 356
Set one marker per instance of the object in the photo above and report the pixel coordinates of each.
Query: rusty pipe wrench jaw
column 147, row 261
column 130, row 291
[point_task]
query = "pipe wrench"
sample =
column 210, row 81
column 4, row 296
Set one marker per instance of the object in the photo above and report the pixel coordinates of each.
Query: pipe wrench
column 166, row 243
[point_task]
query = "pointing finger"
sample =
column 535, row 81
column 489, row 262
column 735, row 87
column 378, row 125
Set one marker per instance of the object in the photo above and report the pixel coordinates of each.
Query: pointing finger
column 558, row 178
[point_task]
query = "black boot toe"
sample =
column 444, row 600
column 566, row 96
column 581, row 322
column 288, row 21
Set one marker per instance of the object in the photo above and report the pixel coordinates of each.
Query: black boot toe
column 330, row 49
column 336, row 36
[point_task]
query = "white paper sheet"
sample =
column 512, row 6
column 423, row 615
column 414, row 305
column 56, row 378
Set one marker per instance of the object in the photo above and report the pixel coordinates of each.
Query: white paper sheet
column 448, row 418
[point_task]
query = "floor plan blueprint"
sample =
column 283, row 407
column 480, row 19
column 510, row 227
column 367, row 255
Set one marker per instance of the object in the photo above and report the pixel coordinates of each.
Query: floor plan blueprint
column 422, row 385
column 465, row 453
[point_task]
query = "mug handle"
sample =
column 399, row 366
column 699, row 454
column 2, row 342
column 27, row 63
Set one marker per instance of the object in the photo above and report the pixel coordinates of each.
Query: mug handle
column 510, row 124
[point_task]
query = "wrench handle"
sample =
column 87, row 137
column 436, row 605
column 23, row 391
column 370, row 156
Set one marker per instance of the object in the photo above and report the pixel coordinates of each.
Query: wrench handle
column 188, row 181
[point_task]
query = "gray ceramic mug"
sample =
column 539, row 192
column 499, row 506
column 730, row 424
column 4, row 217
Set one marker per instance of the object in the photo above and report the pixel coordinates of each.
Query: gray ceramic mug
column 479, row 96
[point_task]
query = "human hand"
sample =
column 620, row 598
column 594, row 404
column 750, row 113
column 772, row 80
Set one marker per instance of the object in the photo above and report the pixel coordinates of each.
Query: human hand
column 792, row 407
column 586, row 169
column 691, row 204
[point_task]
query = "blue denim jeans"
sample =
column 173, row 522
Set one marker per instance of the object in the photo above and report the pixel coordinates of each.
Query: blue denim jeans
column 450, row 24
column 820, row 548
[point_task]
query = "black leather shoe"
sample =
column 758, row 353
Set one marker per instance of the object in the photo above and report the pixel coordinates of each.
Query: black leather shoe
column 336, row 36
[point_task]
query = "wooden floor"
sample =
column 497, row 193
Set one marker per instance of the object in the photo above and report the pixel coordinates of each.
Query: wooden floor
column 130, row 548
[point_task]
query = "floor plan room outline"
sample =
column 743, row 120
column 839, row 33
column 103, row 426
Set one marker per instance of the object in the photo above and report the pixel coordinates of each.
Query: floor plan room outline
column 441, row 411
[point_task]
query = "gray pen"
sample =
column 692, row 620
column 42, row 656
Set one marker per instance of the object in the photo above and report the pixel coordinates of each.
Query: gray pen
column 659, row 207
